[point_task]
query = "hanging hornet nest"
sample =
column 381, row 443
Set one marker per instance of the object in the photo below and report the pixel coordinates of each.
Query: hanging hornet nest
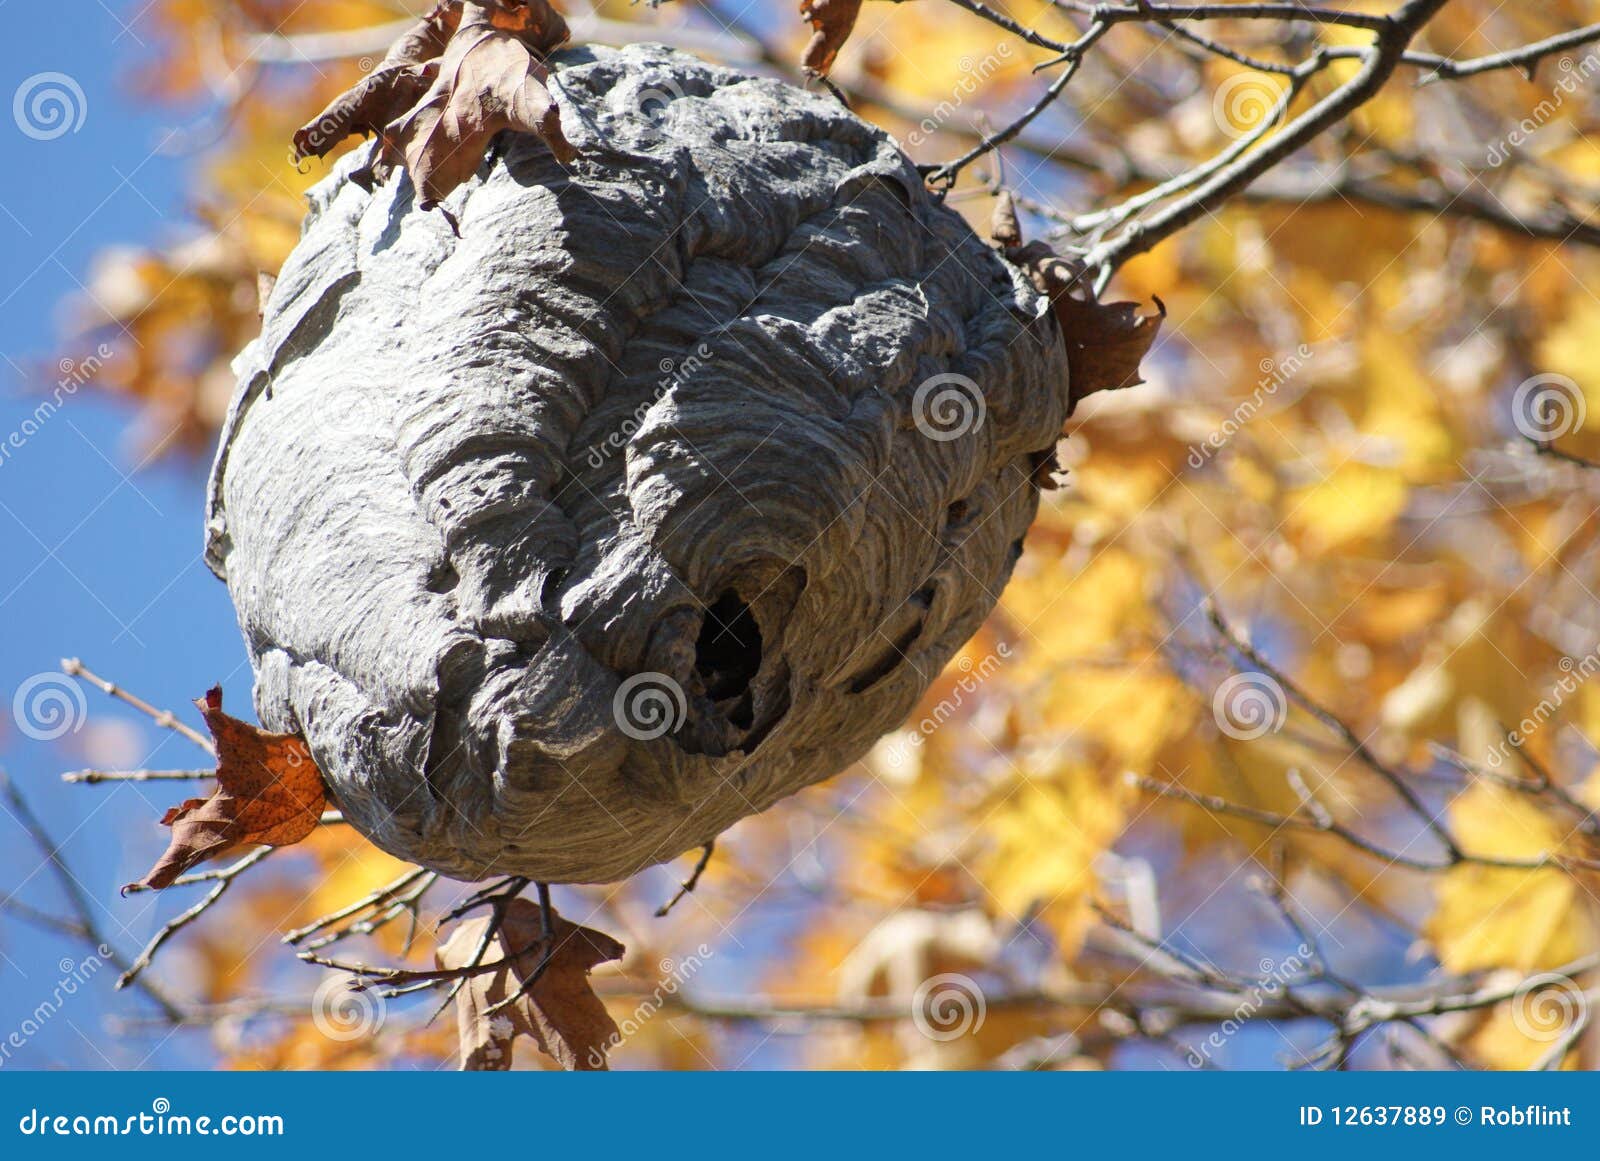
column 648, row 479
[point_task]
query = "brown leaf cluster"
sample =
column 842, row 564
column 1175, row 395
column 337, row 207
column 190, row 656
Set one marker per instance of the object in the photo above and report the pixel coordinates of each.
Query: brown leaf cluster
column 269, row 792
column 1106, row 341
column 559, row 1011
column 462, row 74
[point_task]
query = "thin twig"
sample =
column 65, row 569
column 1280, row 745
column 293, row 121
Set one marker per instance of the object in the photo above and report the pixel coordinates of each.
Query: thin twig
column 182, row 920
column 90, row 777
column 76, row 896
column 163, row 718
column 691, row 882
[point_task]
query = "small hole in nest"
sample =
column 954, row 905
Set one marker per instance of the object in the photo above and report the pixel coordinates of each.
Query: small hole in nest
column 442, row 577
column 727, row 654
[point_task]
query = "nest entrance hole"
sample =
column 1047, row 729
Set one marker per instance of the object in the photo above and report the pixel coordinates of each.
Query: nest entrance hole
column 727, row 655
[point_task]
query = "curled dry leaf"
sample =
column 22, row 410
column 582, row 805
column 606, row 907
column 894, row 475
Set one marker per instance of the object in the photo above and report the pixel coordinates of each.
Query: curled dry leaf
column 401, row 79
column 488, row 80
column 1105, row 341
column 269, row 792
column 462, row 74
column 1003, row 225
column 831, row 23
column 560, row 1012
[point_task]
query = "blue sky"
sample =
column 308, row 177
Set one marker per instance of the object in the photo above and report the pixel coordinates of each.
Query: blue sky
column 100, row 556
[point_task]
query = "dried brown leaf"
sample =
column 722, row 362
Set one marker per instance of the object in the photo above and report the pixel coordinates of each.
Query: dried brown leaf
column 379, row 99
column 560, row 1013
column 540, row 26
column 1106, row 341
column 1003, row 225
column 831, row 23
column 269, row 792
column 399, row 82
column 488, row 80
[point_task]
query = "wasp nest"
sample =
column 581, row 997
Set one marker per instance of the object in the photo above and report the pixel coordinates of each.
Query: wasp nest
column 628, row 496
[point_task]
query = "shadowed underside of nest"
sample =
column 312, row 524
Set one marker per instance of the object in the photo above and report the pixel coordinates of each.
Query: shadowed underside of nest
column 632, row 494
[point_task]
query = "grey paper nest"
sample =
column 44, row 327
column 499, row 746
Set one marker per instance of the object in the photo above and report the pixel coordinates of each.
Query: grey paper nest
column 659, row 493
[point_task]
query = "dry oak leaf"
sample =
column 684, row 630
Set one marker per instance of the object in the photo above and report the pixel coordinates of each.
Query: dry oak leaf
column 401, row 79
column 488, row 80
column 1106, row 341
column 269, row 793
column 560, row 1013
column 831, row 21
